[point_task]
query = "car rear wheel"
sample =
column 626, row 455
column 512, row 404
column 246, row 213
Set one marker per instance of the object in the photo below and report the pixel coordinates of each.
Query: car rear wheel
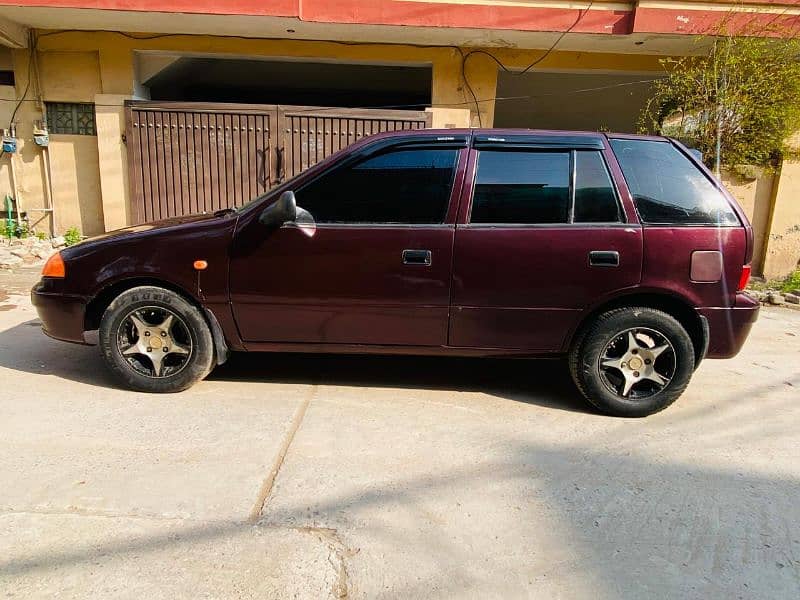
column 154, row 340
column 632, row 362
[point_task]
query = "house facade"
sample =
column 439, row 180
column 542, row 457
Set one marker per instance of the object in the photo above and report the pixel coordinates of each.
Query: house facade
column 123, row 112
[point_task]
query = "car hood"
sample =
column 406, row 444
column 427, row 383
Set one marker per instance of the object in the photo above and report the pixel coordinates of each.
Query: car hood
column 154, row 226
column 142, row 230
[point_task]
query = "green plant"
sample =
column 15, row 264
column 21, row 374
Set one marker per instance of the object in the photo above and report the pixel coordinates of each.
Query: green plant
column 41, row 235
column 12, row 229
column 72, row 236
column 743, row 96
column 792, row 282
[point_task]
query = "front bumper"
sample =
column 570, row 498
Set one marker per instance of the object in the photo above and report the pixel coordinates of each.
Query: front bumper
column 62, row 315
column 729, row 327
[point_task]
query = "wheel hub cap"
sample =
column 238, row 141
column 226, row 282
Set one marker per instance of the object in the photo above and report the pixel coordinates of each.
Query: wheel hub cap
column 637, row 363
column 154, row 341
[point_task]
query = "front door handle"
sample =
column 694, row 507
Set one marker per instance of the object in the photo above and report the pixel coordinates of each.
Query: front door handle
column 417, row 257
column 604, row 258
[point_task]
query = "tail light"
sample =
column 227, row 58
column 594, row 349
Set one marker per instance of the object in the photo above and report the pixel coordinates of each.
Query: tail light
column 54, row 267
column 745, row 278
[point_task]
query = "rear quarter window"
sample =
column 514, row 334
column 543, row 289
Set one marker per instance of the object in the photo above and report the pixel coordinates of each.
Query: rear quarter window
column 668, row 188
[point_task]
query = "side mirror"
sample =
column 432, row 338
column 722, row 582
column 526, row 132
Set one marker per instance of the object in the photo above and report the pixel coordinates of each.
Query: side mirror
column 283, row 210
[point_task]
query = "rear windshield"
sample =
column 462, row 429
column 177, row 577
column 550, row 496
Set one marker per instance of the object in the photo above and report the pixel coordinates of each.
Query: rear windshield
column 668, row 188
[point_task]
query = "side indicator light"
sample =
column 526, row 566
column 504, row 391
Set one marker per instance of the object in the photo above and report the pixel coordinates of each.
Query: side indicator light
column 54, row 267
column 200, row 265
column 745, row 278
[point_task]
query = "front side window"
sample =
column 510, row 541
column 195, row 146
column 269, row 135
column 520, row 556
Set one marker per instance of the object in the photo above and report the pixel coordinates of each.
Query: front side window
column 668, row 188
column 526, row 187
column 409, row 186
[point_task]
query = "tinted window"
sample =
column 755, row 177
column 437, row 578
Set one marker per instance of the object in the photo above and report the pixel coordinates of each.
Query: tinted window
column 595, row 199
column 402, row 186
column 668, row 187
column 521, row 187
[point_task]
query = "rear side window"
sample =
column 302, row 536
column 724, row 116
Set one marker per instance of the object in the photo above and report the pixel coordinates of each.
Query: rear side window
column 521, row 187
column 400, row 186
column 595, row 198
column 533, row 187
column 668, row 188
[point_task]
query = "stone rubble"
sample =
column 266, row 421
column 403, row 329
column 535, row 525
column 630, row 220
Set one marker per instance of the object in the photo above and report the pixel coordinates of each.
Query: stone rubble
column 775, row 298
column 16, row 252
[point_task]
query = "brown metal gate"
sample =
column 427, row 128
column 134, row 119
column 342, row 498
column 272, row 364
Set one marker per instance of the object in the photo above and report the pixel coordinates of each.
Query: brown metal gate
column 193, row 158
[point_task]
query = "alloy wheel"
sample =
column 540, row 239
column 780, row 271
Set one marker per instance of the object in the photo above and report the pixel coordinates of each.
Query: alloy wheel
column 154, row 341
column 637, row 363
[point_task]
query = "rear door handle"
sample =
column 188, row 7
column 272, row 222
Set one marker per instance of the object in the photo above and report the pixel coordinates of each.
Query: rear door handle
column 417, row 257
column 604, row 258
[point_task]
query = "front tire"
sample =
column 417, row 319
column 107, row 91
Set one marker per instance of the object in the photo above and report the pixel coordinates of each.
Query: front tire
column 633, row 361
column 154, row 340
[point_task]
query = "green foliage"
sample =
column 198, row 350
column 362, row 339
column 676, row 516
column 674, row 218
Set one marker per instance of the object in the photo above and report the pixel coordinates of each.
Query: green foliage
column 792, row 282
column 41, row 236
column 72, row 236
column 15, row 229
column 749, row 86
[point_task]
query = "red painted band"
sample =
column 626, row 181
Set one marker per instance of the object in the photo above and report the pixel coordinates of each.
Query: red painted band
column 272, row 8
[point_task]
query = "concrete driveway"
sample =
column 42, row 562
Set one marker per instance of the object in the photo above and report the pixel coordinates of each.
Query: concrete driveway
column 317, row 477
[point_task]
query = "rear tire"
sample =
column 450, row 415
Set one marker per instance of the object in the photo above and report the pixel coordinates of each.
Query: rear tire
column 632, row 362
column 154, row 340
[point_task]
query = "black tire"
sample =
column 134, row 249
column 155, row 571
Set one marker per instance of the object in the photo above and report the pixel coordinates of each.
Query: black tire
column 190, row 332
column 599, row 337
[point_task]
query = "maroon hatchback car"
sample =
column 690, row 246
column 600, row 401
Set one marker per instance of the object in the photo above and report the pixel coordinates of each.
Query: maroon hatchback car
column 621, row 252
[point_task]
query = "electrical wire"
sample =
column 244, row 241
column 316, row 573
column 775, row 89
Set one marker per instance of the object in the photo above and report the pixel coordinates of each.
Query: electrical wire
column 25, row 92
column 548, row 52
column 160, row 36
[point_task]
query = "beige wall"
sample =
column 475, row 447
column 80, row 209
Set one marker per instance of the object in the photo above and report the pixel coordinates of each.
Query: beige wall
column 755, row 197
column 26, row 167
column 7, row 96
column 449, row 118
column 69, row 76
column 783, row 240
column 75, row 173
column 71, row 161
column 113, row 160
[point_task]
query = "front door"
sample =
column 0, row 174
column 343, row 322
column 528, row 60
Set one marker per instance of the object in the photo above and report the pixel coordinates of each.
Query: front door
column 542, row 236
column 377, row 268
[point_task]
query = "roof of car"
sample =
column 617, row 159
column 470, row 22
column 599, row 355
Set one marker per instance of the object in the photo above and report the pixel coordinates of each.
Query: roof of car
column 515, row 132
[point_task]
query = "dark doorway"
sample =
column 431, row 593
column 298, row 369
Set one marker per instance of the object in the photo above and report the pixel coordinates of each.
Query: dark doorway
column 293, row 83
column 583, row 101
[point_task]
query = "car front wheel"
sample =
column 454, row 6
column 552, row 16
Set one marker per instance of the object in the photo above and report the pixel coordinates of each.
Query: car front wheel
column 633, row 361
column 154, row 340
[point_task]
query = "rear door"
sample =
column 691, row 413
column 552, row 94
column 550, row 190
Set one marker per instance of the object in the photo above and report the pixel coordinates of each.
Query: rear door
column 542, row 235
column 377, row 269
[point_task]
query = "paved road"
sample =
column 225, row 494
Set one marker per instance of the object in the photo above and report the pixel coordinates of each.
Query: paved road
column 314, row 477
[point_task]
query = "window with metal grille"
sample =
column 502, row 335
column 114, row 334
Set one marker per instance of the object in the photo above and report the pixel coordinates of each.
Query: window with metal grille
column 71, row 118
